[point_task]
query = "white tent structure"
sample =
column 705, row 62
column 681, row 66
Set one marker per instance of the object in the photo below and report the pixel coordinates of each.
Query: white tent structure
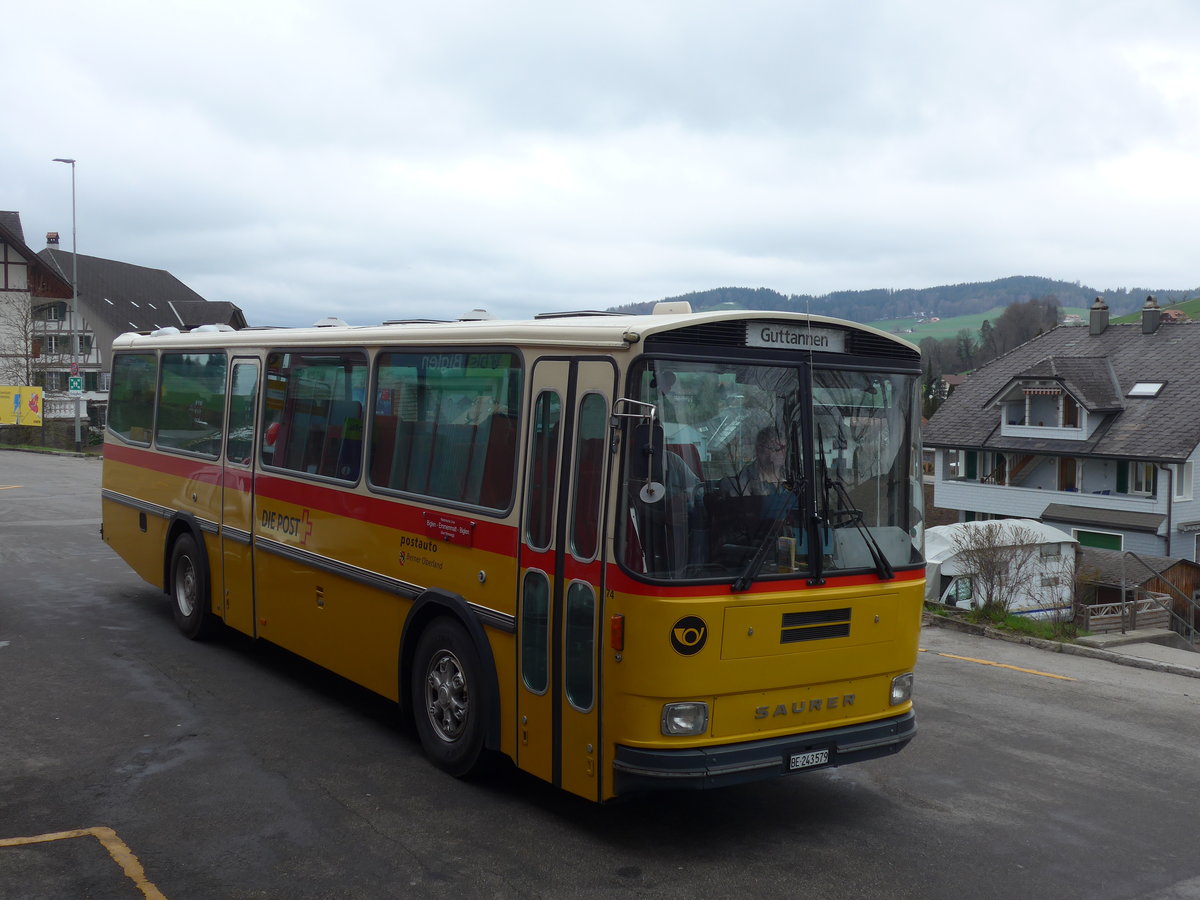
column 1035, row 563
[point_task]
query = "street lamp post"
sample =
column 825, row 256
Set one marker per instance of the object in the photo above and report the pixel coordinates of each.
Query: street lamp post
column 74, row 303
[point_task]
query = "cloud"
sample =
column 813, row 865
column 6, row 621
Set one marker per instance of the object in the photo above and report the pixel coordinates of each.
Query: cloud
column 379, row 161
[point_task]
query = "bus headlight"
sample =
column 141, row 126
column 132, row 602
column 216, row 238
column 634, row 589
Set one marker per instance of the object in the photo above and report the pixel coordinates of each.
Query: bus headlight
column 902, row 686
column 685, row 718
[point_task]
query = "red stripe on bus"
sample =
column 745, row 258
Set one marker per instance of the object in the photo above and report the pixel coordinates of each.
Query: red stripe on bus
column 619, row 580
column 491, row 537
column 401, row 515
column 169, row 464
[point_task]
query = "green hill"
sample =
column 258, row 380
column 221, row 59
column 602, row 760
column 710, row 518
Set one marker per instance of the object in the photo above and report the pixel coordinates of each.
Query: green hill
column 916, row 331
column 975, row 300
column 1190, row 308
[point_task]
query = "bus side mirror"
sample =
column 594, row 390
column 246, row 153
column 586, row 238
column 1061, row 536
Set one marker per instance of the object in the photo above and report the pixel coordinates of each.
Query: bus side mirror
column 646, row 460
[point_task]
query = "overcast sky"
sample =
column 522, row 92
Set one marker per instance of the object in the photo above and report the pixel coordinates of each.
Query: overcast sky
column 386, row 160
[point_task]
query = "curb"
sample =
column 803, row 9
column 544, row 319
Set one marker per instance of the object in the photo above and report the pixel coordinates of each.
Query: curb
column 47, row 451
column 1135, row 662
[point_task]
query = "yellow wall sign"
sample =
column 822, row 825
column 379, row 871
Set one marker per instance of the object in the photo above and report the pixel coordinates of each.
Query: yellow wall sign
column 20, row 405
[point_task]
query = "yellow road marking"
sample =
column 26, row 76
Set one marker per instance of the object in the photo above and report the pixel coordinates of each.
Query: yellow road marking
column 9, row 487
column 988, row 662
column 116, row 848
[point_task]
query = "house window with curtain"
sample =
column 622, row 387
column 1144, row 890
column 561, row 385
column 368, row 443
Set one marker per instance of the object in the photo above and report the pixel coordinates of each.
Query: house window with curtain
column 1183, row 481
column 1140, row 478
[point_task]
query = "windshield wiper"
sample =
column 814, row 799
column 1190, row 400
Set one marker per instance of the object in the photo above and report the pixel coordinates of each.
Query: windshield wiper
column 786, row 505
column 854, row 516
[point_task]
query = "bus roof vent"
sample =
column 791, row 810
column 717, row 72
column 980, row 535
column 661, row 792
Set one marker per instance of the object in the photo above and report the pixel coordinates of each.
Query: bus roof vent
column 672, row 308
column 330, row 322
column 476, row 315
column 208, row 329
column 163, row 332
column 574, row 313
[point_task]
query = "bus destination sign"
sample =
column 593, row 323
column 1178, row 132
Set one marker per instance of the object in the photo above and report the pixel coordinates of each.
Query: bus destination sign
column 774, row 336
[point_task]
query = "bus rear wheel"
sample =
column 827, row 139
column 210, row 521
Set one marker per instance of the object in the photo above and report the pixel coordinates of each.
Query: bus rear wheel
column 445, row 691
column 189, row 590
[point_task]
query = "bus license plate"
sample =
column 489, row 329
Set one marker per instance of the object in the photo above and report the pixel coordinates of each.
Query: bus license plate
column 810, row 759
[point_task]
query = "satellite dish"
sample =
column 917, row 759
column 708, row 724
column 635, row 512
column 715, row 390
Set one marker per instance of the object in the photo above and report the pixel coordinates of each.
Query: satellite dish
column 652, row 492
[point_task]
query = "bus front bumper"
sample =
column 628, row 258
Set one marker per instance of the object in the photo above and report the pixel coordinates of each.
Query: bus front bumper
column 698, row 768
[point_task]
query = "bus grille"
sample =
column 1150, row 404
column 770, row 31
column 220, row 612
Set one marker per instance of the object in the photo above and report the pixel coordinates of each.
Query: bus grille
column 814, row 626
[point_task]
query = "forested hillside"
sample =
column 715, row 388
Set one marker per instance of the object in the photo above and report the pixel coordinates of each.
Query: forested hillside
column 945, row 301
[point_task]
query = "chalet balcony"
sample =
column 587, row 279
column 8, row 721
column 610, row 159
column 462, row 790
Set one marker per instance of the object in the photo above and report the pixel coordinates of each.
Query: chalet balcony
column 1044, row 432
column 1030, row 502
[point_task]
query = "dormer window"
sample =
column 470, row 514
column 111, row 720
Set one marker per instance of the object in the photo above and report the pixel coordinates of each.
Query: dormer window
column 1042, row 409
column 1146, row 389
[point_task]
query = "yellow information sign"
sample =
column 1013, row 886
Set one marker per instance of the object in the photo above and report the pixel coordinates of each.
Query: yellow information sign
column 20, row 405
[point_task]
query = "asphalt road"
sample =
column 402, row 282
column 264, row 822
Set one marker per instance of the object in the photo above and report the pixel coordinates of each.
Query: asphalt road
column 135, row 762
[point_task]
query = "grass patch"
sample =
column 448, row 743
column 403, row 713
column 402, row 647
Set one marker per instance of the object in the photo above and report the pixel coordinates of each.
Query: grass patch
column 1046, row 629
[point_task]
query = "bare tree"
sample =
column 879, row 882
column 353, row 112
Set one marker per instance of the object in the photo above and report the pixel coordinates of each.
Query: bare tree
column 1004, row 560
column 18, row 342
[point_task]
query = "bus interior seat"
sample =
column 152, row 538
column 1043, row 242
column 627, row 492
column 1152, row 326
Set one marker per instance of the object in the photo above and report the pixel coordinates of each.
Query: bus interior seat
column 497, row 486
column 690, row 454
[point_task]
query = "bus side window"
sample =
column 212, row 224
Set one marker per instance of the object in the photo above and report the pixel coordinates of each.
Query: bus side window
column 543, row 470
column 441, row 426
column 131, row 400
column 191, row 403
column 320, row 432
column 579, row 652
column 239, row 440
column 588, row 482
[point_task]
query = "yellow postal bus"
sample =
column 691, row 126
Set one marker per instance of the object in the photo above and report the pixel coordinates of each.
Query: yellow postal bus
column 627, row 552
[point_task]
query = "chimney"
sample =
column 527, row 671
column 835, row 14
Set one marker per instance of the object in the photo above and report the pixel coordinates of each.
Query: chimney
column 1151, row 316
column 1099, row 317
column 51, row 240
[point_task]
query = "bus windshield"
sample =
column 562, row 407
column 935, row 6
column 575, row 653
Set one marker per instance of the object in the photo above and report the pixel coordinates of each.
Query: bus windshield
column 771, row 471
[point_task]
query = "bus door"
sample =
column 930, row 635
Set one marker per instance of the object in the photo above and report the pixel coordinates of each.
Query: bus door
column 236, row 600
column 562, row 567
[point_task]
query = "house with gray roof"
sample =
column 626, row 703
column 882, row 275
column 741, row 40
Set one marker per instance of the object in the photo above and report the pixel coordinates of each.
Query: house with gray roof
column 117, row 297
column 27, row 284
column 113, row 298
column 1094, row 430
column 43, row 336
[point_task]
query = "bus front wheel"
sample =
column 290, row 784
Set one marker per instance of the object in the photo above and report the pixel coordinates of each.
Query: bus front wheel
column 189, row 590
column 445, row 692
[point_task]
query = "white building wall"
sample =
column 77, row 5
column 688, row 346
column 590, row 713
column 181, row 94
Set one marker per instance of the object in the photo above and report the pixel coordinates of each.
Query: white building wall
column 14, row 285
column 1043, row 411
column 1041, row 474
